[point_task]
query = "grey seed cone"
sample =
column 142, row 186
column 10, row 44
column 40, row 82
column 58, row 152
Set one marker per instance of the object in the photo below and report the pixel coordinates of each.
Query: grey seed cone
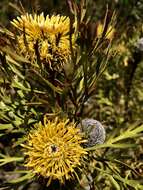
column 94, row 131
column 139, row 44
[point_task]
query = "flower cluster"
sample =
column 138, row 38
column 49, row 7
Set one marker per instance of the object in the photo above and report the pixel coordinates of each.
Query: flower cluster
column 54, row 149
column 50, row 34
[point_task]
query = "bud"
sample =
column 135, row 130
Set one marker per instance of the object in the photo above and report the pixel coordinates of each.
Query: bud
column 139, row 44
column 94, row 131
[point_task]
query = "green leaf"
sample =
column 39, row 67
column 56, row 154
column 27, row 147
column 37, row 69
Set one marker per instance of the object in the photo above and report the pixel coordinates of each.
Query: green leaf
column 6, row 126
column 14, row 55
column 132, row 183
column 114, row 182
column 54, row 88
column 110, row 145
column 113, row 141
column 129, row 133
column 27, row 176
column 7, row 159
column 19, row 85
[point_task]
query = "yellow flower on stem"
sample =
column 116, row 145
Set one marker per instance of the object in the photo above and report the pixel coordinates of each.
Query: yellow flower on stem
column 54, row 149
column 51, row 34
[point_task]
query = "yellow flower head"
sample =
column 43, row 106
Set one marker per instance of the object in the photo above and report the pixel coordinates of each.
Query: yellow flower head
column 51, row 34
column 54, row 149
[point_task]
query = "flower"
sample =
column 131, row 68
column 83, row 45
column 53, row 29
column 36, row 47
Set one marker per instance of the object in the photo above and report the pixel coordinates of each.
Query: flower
column 50, row 33
column 54, row 149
